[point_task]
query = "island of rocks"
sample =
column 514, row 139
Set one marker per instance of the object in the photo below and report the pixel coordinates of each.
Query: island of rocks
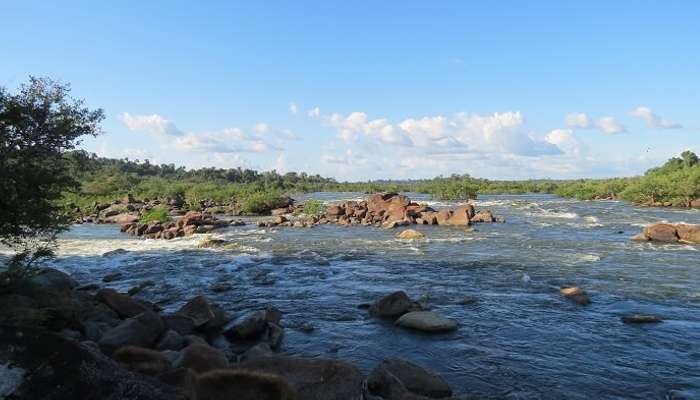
column 386, row 210
column 670, row 233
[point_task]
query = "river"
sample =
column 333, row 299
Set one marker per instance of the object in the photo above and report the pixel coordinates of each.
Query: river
column 518, row 338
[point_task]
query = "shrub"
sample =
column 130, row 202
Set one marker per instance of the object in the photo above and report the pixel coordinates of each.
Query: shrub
column 314, row 207
column 155, row 214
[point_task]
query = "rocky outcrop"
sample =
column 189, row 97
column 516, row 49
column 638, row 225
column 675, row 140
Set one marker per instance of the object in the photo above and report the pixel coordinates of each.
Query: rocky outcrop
column 393, row 305
column 575, row 294
column 44, row 365
column 670, row 233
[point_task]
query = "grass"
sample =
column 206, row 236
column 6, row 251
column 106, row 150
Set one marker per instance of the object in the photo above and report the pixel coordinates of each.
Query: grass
column 155, row 214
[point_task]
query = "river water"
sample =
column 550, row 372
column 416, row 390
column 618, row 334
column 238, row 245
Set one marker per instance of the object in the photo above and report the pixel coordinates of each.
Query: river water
column 518, row 338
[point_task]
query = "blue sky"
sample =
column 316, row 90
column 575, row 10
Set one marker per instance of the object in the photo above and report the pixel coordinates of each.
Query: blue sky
column 365, row 90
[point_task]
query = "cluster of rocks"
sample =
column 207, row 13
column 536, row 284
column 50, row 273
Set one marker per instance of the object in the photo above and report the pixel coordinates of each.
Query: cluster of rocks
column 60, row 340
column 189, row 224
column 388, row 210
column 409, row 314
column 580, row 297
column 670, row 233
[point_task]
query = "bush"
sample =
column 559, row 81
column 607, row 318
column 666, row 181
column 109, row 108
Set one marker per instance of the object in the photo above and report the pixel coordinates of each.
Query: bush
column 155, row 214
column 314, row 207
column 259, row 202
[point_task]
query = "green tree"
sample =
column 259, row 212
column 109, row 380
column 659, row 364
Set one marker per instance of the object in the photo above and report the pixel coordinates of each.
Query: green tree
column 37, row 125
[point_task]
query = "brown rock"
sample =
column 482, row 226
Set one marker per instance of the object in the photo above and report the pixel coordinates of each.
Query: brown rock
column 483, row 216
column 393, row 305
column 122, row 304
column 198, row 309
column 201, row 358
column 688, row 233
column 238, row 385
column 443, row 216
column 575, row 294
column 662, row 232
column 142, row 360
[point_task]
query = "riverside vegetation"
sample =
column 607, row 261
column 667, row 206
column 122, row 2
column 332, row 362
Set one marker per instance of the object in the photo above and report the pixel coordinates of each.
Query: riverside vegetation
column 63, row 339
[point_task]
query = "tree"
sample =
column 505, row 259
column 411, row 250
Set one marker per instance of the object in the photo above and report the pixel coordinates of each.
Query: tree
column 37, row 125
column 690, row 159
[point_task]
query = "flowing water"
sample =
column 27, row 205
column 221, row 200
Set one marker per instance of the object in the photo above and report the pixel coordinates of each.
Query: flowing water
column 519, row 339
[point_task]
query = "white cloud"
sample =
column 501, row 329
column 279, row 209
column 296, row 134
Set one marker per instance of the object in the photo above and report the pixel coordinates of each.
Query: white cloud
column 565, row 140
column 281, row 164
column 349, row 158
column 293, row 108
column 262, row 127
column 315, row 112
column 610, row 125
column 652, row 119
column 579, row 120
column 154, row 124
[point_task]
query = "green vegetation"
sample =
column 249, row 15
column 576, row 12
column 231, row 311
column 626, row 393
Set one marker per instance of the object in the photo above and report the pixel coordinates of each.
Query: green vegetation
column 37, row 125
column 314, row 207
column 155, row 214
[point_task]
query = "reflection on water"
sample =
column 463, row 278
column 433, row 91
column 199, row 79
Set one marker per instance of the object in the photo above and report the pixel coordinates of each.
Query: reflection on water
column 519, row 340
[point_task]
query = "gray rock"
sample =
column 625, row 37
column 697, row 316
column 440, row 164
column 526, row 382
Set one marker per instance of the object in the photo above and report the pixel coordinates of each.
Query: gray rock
column 179, row 323
column 199, row 310
column 393, row 305
column 275, row 333
column 122, row 304
column 248, row 327
column 170, row 340
column 394, row 378
column 142, row 330
column 426, row 321
column 259, row 350
column 201, row 358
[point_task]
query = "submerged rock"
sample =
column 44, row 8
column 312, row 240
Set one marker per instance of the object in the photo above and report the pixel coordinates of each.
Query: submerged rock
column 426, row 321
column 641, row 319
column 575, row 294
column 410, row 234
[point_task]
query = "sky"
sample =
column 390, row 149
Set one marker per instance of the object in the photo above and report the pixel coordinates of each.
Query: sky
column 360, row 90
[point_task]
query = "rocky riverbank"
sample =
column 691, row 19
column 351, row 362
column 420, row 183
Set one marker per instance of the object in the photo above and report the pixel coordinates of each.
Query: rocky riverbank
column 670, row 233
column 61, row 340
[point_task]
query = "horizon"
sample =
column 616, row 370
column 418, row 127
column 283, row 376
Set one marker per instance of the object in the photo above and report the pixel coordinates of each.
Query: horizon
column 368, row 91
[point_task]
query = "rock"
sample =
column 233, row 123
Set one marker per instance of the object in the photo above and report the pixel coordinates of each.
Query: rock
column 273, row 315
column 280, row 219
column 259, row 350
column 483, row 216
column 275, row 334
column 393, row 305
column 640, row 237
column 443, row 216
column 393, row 378
column 248, row 327
column 410, row 234
column 313, row 379
column 170, row 340
column 461, row 216
column 662, row 232
column 47, row 366
column 279, row 211
column 641, row 319
column 52, row 289
column 181, row 324
column 426, row 321
column 335, row 211
column 142, row 330
column 198, row 309
column 201, row 358
column 115, row 252
column 142, row 360
column 688, row 233
column 123, row 305
column 575, row 294
column 238, row 385
column 195, row 339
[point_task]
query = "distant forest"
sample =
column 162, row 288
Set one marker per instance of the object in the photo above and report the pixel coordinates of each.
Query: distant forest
column 676, row 183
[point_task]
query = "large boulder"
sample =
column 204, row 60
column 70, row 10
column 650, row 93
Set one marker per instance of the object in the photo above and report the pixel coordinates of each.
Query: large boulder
column 661, row 232
column 40, row 365
column 142, row 330
column 483, row 216
column 313, row 379
column 125, row 306
column 410, row 234
column 142, row 360
column 238, row 385
column 461, row 215
column 394, row 378
column 199, row 310
column 393, row 305
column 426, row 321
column 442, row 216
column 248, row 327
column 688, row 233
column 201, row 358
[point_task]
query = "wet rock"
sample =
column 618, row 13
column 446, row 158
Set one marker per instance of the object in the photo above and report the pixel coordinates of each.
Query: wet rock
column 393, row 305
column 195, row 339
column 394, row 379
column 170, row 340
column 115, row 252
column 661, row 233
column 181, row 324
column 426, row 321
column 259, row 350
column 443, row 216
column 273, row 315
column 88, row 287
column 51, row 367
column 411, row 234
column 199, row 310
column 248, row 327
column 313, row 379
column 123, row 305
column 461, row 216
column 238, row 385
column 201, row 358
column 483, row 216
column 275, row 334
column 575, row 294
column 641, row 319
column 142, row 360
column 221, row 318
column 142, row 330
column 688, row 233
column 51, row 289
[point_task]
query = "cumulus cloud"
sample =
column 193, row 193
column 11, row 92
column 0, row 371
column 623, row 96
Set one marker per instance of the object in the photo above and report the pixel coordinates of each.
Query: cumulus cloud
column 565, row 140
column 153, row 124
column 262, row 127
column 349, row 158
column 652, row 119
column 293, row 108
column 315, row 112
column 610, row 125
column 579, row 120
